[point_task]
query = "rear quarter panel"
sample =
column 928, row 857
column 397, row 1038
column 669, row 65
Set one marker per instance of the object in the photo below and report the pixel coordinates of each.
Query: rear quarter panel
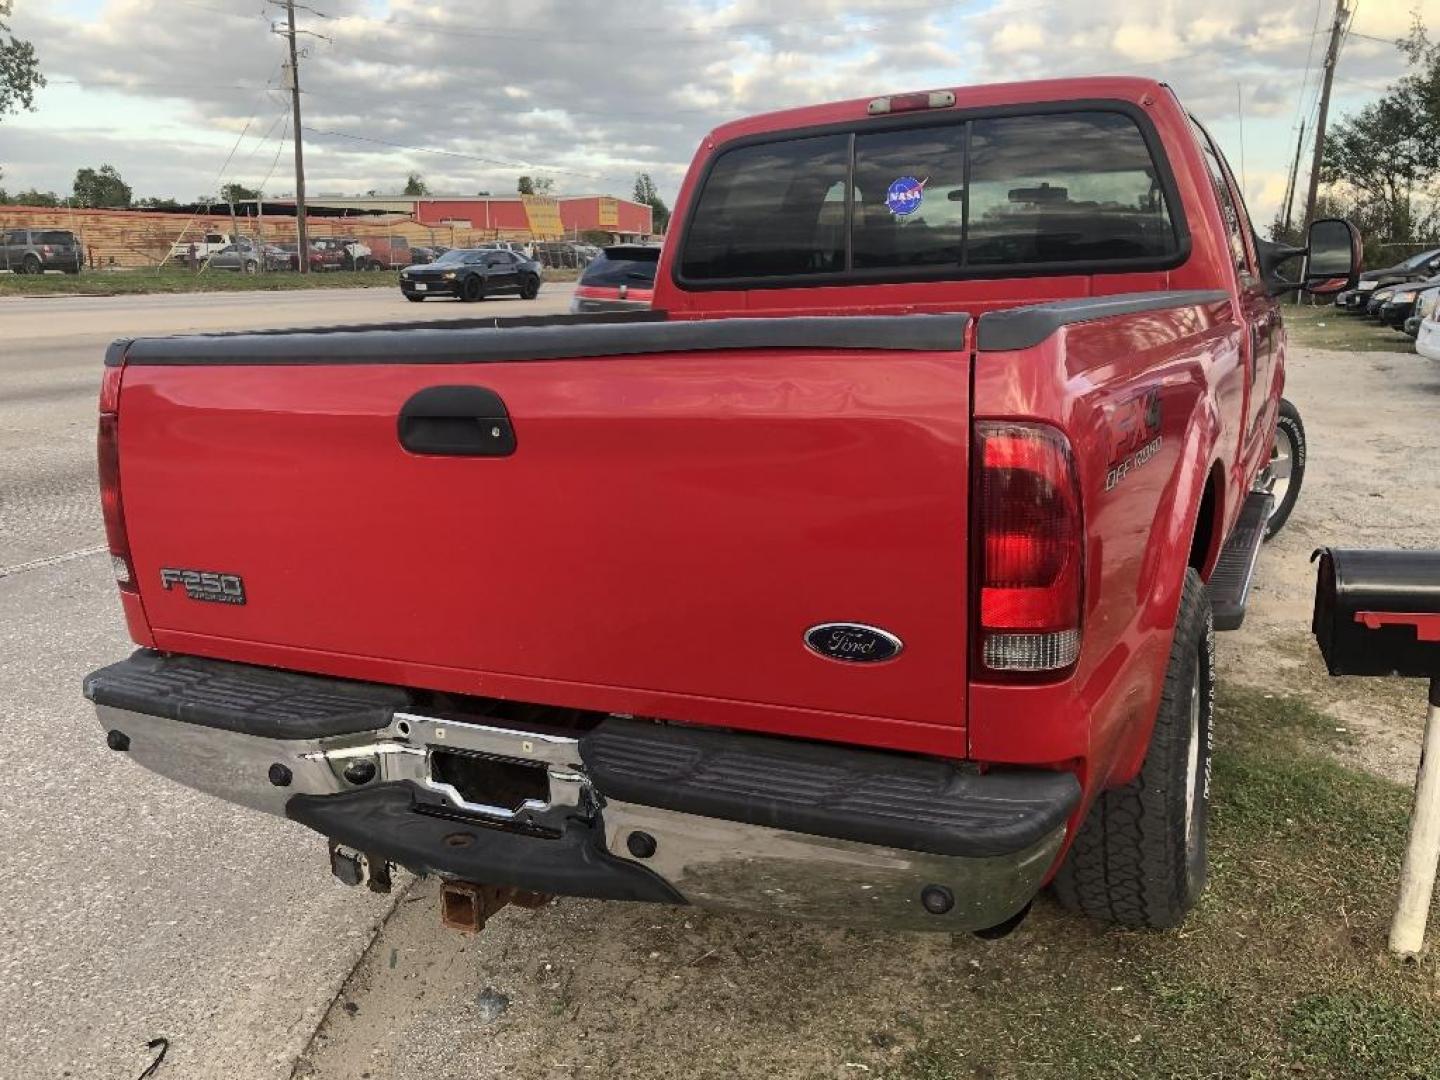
column 1149, row 402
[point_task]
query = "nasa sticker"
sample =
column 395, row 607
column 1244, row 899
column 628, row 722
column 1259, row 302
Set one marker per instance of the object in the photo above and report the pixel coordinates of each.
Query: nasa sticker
column 905, row 195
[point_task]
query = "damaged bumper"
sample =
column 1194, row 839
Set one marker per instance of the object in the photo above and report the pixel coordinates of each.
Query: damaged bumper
column 618, row 809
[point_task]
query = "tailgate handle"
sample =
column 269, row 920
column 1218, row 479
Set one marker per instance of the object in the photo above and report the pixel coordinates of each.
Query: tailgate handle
column 456, row 421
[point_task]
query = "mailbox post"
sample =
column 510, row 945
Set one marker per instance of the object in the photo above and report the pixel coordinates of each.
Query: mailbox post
column 1378, row 613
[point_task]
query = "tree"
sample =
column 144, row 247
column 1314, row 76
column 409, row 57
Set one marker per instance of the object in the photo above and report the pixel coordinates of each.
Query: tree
column 525, row 185
column 37, row 198
column 101, row 188
column 1381, row 162
column 415, row 185
column 19, row 68
column 484, row 194
column 233, row 193
column 535, row 185
column 152, row 202
column 647, row 195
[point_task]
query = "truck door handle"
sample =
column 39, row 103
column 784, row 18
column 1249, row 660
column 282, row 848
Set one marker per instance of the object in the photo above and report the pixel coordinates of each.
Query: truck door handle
column 456, row 421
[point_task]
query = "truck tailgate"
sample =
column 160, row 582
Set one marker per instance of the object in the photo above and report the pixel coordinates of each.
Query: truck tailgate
column 665, row 531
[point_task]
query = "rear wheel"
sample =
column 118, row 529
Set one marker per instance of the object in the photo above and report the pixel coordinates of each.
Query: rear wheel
column 1286, row 470
column 252, row 268
column 1139, row 858
column 473, row 289
column 31, row 265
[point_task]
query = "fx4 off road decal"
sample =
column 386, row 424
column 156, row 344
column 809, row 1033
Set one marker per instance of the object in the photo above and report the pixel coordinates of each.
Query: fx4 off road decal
column 1134, row 435
column 207, row 585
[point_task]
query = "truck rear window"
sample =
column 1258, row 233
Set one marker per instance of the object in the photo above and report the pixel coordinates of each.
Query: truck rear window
column 1041, row 191
column 616, row 266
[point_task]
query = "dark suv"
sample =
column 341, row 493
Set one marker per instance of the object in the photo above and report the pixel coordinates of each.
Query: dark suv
column 33, row 251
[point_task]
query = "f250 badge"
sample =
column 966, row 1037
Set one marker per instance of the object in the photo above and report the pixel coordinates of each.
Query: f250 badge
column 207, row 585
column 854, row 643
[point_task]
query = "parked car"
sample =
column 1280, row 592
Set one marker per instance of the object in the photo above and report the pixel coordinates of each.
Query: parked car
column 1376, row 299
column 1426, row 305
column 873, row 581
column 1401, row 304
column 323, row 257
column 1416, row 268
column 621, row 278
column 1427, row 334
column 420, row 255
column 198, row 248
column 389, row 253
column 250, row 258
column 33, row 251
column 473, row 274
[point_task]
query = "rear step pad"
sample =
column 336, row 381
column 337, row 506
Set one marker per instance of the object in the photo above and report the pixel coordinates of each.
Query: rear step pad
column 868, row 796
column 239, row 697
column 1230, row 583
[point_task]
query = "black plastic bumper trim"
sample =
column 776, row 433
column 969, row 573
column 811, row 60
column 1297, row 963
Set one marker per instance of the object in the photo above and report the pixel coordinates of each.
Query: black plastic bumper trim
column 1025, row 327
column 251, row 700
column 384, row 821
column 868, row 796
column 571, row 337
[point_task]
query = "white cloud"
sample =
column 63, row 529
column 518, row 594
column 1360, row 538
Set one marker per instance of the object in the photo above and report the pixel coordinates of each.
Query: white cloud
column 592, row 91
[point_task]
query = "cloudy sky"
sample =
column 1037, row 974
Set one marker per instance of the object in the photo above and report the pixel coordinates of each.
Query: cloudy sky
column 588, row 93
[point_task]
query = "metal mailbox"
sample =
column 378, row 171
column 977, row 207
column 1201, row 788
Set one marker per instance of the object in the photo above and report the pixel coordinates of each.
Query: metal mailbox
column 1378, row 612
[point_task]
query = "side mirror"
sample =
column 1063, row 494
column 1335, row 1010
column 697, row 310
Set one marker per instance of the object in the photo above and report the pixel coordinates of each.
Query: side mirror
column 1333, row 254
column 1333, row 257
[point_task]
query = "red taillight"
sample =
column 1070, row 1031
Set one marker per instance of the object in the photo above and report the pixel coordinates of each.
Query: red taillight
column 108, row 452
column 1030, row 549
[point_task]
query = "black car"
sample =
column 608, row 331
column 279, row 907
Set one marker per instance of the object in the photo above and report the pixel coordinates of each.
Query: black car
column 1416, row 268
column 473, row 274
column 1401, row 305
column 33, row 251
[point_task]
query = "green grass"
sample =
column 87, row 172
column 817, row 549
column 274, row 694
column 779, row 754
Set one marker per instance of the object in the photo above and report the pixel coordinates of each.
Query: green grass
column 110, row 283
column 1281, row 972
column 1326, row 328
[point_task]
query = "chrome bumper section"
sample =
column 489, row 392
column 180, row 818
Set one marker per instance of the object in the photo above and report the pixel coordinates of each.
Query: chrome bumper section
column 707, row 861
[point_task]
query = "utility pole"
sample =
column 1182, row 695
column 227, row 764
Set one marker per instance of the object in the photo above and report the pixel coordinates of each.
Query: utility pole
column 302, row 232
column 1294, row 176
column 1332, row 55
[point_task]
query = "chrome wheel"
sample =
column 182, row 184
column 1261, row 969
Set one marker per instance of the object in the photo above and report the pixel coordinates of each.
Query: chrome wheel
column 1192, row 762
column 1282, row 465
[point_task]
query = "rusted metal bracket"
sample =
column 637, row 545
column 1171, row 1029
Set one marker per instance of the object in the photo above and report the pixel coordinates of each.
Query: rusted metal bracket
column 467, row 905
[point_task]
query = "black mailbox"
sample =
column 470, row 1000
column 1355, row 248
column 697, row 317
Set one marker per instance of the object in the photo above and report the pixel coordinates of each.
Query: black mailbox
column 1378, row 612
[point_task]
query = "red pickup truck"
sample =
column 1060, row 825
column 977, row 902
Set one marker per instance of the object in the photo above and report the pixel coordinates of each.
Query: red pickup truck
column 870, row 577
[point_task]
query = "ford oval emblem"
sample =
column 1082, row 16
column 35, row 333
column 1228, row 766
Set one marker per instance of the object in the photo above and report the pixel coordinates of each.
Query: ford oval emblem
column 853, row 643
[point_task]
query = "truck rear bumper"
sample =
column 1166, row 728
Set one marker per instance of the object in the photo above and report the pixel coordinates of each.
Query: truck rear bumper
column 621, row 810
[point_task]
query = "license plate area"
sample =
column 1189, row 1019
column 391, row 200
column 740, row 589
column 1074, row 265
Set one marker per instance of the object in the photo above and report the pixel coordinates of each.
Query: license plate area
column 420, row 286
column 493, row 786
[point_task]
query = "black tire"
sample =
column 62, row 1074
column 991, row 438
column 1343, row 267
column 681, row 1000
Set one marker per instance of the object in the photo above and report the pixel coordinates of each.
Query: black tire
column 1288, row 430
column 472, row 289
column 31, row 265
column 252, row 267
column 1139, row 858
column 414, row 298
column 530, row 289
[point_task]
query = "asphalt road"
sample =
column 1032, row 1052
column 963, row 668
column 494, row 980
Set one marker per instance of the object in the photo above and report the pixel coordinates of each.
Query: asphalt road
column 131, row 908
